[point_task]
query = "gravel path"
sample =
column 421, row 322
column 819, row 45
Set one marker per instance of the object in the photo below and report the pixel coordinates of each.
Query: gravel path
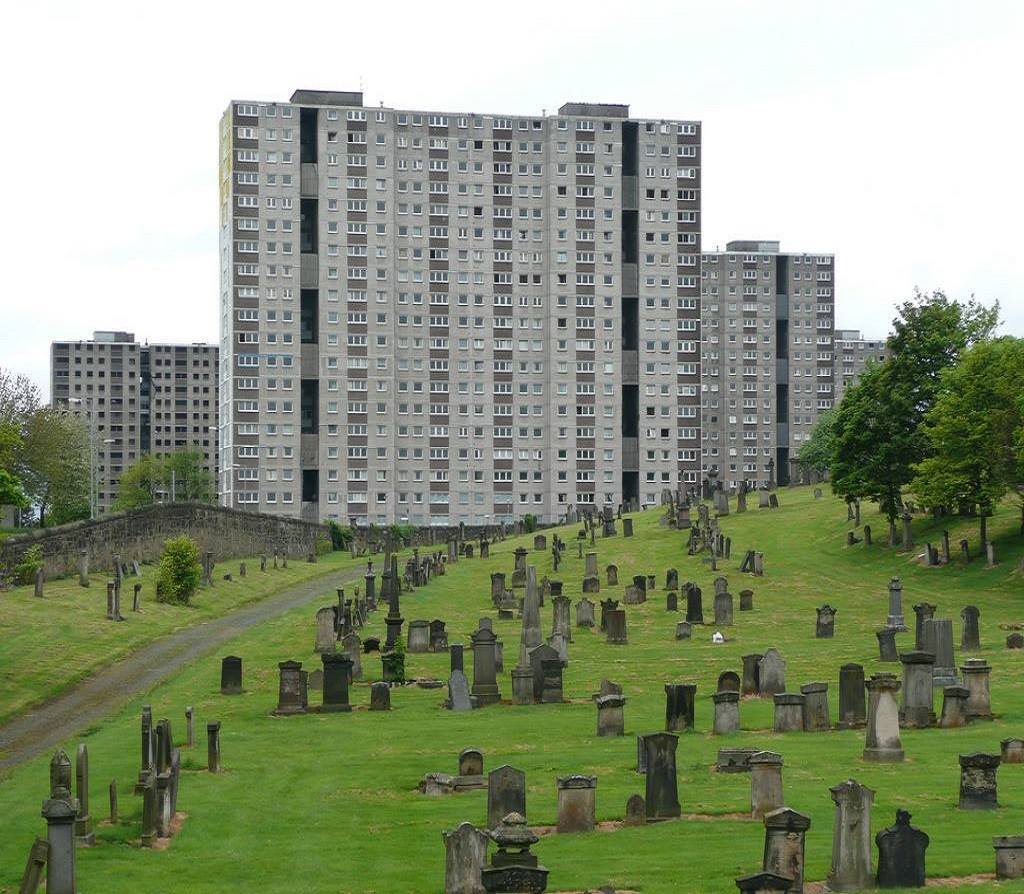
column 104, row 692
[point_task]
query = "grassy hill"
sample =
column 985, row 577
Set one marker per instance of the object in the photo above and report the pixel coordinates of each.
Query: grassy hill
column 329, row 803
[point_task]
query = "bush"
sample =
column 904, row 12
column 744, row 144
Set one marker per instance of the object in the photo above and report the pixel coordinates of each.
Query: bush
column 179, row 571
column 340, row 536
column 324, row 544
column 529, row 523
column 31, row 562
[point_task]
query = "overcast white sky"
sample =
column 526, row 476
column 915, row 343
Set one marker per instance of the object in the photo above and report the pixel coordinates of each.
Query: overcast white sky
column 886, row 132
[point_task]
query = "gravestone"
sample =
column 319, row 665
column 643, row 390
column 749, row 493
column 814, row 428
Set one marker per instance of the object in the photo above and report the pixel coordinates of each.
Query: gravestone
column 585, row 613
column 954, row 707
column 190, row 727
column 815, row 707
column 83, row 568
column 636, row 811
column 895, row 619
column 978, row 781
column 540, row 542
column 970, row 638
column 851, row 837
column 727, row 712
column 231, row 675
column 728, row 681
column 746, row 600
column 661, row 797
column 506, row 793
column 723, row 609
column 616, row 624
column 976, row 673
column 1009, row 856
column 772, row 679
column 1012, row 751
column 34, row 866
column 465, row 858
column 627, row 527
column 112, row 795
column 825, row 627
column 679, row 706
column 784, row 831
column 438, row 636
column 1015, row 641
column 763, row 882
column 887, row 644
column 418, row 637
column 459, row 698
column 59, row 811
column 610, row 714
column 852, row 707
column 84, row 834
column 576, row 803
column 531, row 635
column 538, row 655
column 561, row 621
column 337, row 672
column 671, row 601
column 485, row 683
column 694, row 609
column 380, row 697
column 882, row 739
column 917, row 708
column 751, row 682
column 291, row 695
column 325, row 630
column 213, row 747
column 938, row 637
column 351, row 648
column 901, row 854
column 591, row 582
column 684, row 630
column 672, row 579
column 789, row 712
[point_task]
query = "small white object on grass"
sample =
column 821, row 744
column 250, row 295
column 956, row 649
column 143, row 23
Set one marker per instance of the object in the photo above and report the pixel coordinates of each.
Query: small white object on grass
column 717, row 638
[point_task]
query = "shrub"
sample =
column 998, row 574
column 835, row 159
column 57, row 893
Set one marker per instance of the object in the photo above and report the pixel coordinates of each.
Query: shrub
column 529, row 523
column 324, row 544
column 179, row 571
column 340, row 536
column 31, row 562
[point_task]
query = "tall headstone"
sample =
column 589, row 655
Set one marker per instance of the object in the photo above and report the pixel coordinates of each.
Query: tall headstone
column 901, row 854
column 337, row 674
column 772, row 678
column 679, row 706
column 784, row 831
column 917, row 708
column 231, row 675
column 585, row 613
column 851, row 837
column 751, row 675
column 610, row 714
column 887, row 644
column 970, row 639
column 485, row 682
column 852, row 707
column 882, row 739
column 84, row 834
column 727, row 712
column 60, row 811
column 325, row 630
column 83, row 568
column 291, row 693
column 661, row 796
column 976, row 672
column 815, row 707
column 923, row 611
column 213, row 746
column 895, row 619
column 825, row 627
column 723, row 610
column 506, row 793
column 938, row 635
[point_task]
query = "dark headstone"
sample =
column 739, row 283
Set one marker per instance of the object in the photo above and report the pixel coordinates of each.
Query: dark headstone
column 231, row 675
column 852, row 706
column 901, row 854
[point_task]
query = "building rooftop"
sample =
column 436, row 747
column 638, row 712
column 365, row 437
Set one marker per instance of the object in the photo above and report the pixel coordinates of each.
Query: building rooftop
column 328, row 97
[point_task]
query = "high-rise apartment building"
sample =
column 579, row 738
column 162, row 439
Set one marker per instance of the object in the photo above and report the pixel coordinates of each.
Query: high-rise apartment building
column 137, row 398
column 444, row 317
column 767, row 361
column 853, row 353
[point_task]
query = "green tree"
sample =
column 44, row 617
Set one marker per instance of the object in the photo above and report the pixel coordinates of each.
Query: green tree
column 879, row 435
column 19, row 398
column 153, row 479
column 12, row 491
column 973, row 431
column 139, row 483
column 816, row 454
column 54, row 465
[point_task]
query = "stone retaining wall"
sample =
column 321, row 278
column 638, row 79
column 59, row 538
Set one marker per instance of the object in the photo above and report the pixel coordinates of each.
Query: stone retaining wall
column 140, row 535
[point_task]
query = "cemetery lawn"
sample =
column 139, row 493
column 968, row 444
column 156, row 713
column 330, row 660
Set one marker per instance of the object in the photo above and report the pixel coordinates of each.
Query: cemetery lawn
column 328, row 803
column 49, row 644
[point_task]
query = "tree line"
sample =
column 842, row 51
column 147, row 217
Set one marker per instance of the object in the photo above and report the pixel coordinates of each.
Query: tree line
column 941, row 419
column 45, row 463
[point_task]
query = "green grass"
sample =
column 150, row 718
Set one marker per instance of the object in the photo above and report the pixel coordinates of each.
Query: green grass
column 48, row 644
column 329, row 803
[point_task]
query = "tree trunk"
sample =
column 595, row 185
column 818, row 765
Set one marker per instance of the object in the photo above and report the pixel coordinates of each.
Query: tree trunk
column 984, row 530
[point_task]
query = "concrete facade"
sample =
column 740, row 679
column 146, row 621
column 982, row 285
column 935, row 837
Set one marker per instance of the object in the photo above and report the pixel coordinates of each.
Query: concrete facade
column 137, row 398
column 853, row 354
column 768, row 358
column 435, row 318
